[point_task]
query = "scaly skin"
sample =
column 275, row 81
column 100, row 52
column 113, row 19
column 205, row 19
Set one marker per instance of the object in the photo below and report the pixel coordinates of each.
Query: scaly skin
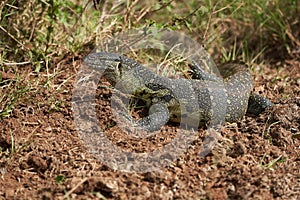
column 204, row 99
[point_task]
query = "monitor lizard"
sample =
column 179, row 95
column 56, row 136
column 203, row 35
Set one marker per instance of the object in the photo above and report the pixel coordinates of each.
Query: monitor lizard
column 204, row 98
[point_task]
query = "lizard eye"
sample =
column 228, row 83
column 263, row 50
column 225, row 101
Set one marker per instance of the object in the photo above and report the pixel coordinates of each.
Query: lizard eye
column 119, row 66
column 167, row 98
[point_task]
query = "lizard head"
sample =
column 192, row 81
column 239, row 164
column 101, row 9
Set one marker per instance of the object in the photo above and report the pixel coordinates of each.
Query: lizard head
column 112, row 65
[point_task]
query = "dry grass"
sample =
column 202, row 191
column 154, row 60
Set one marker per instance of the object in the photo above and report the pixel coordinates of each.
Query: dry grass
column 38, row 34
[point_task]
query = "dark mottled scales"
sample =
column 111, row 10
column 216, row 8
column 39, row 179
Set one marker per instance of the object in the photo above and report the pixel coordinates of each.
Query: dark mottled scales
column 205, row 98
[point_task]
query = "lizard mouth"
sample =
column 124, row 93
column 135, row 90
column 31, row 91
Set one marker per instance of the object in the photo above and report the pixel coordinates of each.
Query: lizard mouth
column 101, row 60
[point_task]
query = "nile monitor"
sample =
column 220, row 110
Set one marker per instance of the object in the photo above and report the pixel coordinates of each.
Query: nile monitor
column 202, row 99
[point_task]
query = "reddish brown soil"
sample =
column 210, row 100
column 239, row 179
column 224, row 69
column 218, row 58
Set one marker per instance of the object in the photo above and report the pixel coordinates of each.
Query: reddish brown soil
column 257, row 158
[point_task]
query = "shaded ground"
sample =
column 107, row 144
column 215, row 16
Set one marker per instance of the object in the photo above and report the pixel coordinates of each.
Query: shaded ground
column 258, row 158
